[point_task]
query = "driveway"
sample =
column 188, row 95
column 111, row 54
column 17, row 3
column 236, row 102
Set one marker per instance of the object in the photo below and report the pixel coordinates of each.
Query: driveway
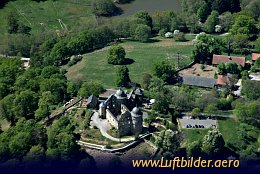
column 103, row 125
column 186, row 122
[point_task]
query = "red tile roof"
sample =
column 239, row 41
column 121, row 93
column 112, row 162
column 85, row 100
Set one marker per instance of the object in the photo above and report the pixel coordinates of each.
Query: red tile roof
column 222, row 58
column 223, row 80
column 255, row 56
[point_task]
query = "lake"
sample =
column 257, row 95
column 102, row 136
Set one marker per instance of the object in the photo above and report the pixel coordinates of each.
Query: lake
column 150, row 5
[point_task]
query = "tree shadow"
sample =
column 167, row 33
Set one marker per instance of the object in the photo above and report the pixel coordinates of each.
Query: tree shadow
column 129, row 61
column 153, row 40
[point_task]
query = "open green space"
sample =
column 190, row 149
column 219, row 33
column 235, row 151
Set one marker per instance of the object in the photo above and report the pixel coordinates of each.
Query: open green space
column 229, row 128
column 191, row 135
column 94, row 66
column 45, row 15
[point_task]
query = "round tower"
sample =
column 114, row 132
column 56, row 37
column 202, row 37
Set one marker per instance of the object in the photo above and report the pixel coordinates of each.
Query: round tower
column 121, row 98
column 102, row 110
column 137, row 119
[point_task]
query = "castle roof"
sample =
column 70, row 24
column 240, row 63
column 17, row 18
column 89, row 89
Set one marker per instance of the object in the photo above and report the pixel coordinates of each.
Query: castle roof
column 120, row 94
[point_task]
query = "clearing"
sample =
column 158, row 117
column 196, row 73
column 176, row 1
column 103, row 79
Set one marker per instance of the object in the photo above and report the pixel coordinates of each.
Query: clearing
column 94, row 66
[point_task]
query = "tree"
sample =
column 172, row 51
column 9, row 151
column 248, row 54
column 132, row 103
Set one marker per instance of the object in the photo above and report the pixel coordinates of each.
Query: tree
column 169, row 142
column 162, row 102
column 165, row 70
column 226, row 21
column 205, row 100
column 6, row 108
column 56, row 86
column 123, row 78
column 34, row 158
column 211, row 22
column 142, row 33
column 25, row 104
column 58, row 53
column 90, row 88
column 194, row 149
column 210, row 109
column 213, row 143
column 195, row 112
column 244, row 25
column 73, row 88
column 146, row 17
column 116, row 55
column 61, row 143
column 20, row 138
column 222, row 68
column 205, row 46
column 233, row 68
column 203, row 12
column 147, row 78
column 250, row 89
column 103, row 7
column 44, row 104
column 248, row 112
column 220, row 5
column 12, row 22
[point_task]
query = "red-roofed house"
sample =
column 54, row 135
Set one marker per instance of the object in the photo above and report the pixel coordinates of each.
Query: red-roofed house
column 255, row 56
column 217, row 59
column 223, row 80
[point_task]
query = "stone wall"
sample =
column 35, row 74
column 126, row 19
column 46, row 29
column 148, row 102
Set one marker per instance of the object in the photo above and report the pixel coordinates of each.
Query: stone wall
column 111, row 119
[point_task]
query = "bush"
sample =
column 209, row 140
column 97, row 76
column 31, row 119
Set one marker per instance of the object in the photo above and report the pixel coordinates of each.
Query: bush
column 180, row 37
column 75, row 60
column 162, row 32
column 202, row 67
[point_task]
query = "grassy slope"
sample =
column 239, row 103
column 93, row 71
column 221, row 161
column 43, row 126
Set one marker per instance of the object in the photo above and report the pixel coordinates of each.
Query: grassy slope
column 191, row 135
column 94, row 65
column 71, row 12
column 228, row 129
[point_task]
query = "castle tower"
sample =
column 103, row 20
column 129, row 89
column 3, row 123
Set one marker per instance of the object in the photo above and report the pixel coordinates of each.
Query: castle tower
column 121, row 99
column 102, row 110
column 137, row 119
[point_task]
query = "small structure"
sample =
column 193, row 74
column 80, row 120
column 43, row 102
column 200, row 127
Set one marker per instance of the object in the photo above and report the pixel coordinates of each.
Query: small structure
column 255, row 56
column 168, row 35
column 117, row 110
column 26, row 62
column 198, row 81
column 92, row 102
column 217, row 59
column 223, row 80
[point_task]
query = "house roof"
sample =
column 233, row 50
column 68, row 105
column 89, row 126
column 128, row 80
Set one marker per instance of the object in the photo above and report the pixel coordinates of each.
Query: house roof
column 255, row 56
column 92, row 99
column 223, row 80
column 225, row 59
column 198, row 81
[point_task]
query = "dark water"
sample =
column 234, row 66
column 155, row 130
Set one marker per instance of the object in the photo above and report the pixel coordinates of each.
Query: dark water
column 151, row 6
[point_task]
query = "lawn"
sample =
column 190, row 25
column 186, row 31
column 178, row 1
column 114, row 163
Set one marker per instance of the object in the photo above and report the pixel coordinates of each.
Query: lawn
column 228, row 128
column 94, row 66
column 44, row 15
column 191, row 135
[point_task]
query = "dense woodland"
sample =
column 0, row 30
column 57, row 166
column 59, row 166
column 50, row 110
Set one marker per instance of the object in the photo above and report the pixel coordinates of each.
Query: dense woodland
column 27, row 97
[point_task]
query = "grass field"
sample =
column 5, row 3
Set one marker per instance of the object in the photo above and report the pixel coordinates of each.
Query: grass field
column 191, row 135
column 44, row 15
column 94, row 65
column 228, row 128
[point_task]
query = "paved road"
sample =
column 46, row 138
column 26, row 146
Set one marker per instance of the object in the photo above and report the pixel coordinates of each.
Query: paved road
column 104, row 126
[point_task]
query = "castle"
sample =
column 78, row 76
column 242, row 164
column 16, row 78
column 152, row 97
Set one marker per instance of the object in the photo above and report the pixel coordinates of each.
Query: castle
column 122, row 112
